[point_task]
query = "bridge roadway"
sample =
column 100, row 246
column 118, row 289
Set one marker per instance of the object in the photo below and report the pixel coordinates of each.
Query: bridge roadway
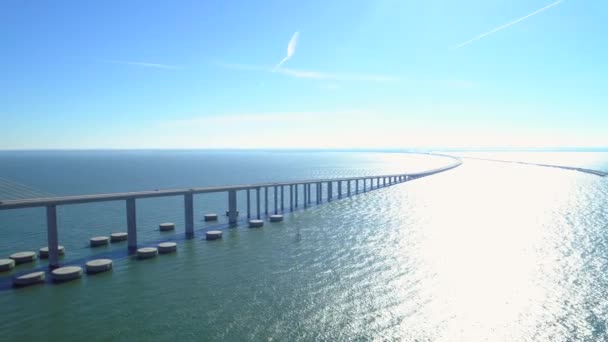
column 51, row 203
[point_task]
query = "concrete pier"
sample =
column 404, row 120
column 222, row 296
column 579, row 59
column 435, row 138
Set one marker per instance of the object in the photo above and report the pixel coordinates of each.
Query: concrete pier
column 213, row 235
column 43, row 252
column 147, row 252
column 165, row 227
column 99, row 241
column 210, row 217
column 256, row 223
column 23, row 257
column 167, row 247
column 29, row 279
column 98, row 266
column 276, row 218
column 66, row 273
column 6, row 265
column 118, row 237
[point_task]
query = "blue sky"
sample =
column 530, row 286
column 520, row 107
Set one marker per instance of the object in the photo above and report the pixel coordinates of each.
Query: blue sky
column 376, row 74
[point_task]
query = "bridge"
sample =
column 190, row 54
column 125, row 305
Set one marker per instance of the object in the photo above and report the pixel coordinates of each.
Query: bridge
column 303, row 188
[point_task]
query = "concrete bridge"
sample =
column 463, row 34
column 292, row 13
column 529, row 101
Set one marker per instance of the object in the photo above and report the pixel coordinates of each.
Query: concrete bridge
column 336, row 188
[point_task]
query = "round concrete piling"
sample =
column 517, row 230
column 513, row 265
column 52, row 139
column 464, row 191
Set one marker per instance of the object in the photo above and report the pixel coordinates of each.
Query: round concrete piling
column 23, row 257
column 117, row 237
column 43, row 253
column 98, row 266
column 214, row 234
column 276, row 218
column 29, row 279
column 6, row 265
column 165, row 227
column 256, row 223
column 66, row 273
column 99, row 241
column 147, row 252
column 167, row 247
column 210, row 217
column 228, row 213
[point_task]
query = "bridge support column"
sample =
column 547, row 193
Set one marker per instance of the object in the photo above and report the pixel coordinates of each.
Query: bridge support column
column 266, row 200
column 257, row 201
column 52, row 236
column 232, row 214
column 339, row 189
column 248, row 204
column 189, row 215
column 296, row 194
column 330, row 191
column 276, row 200
column 131, row 226
column 282, row 198
column 290, row 197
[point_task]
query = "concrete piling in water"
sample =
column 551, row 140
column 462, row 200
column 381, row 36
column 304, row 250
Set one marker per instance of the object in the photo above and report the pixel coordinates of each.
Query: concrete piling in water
column 43, row 252
column 98, row 266
column 6, row 265
column 99, row 241
column 118, row 237
column 256, row 223
column 276, row 218
column 29, row 279
column 167, row 226
column 66, row 273
column 210, row 217
column 213, row 235
column 147, row 252
column 23, row 257
column 167, row 247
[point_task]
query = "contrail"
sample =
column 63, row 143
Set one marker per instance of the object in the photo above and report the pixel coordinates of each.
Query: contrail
column 291, row 49
column 499, row 28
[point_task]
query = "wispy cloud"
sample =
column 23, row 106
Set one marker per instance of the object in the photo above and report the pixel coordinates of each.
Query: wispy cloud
column 502, row 27
column 291, row 49
column 143, row 64
column 310, row 74
column 287, row 117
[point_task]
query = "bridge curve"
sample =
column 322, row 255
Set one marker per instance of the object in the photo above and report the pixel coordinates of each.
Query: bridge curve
column 51, row 203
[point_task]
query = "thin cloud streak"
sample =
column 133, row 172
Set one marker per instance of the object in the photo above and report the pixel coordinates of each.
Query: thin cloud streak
column 144, row 64
column 502, row 27
column 291, row 50
column 310, row 74
column 317, row 75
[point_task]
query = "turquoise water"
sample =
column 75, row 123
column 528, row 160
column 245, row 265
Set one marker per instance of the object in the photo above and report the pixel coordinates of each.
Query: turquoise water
column 484, row 252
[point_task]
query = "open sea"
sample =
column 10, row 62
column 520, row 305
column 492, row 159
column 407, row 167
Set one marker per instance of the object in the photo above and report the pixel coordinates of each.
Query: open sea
column 487, row 251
